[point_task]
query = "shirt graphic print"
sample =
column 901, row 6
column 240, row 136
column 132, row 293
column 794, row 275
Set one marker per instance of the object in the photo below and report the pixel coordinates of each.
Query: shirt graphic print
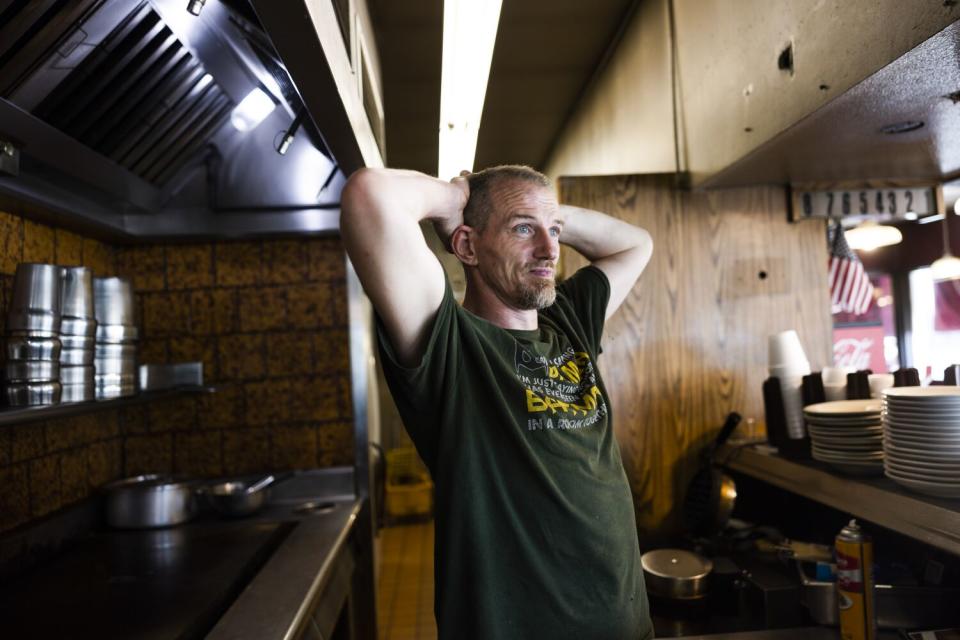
column 561, row 392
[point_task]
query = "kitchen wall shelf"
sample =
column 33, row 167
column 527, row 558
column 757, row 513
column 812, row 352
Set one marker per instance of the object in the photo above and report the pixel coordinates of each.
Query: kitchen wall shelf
column 20, row 415
column 934, row 521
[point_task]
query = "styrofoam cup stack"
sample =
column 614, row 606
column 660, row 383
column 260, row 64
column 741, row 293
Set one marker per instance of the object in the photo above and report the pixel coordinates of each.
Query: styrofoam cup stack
column 78, row 328
column 115, row 354
column 788, row 363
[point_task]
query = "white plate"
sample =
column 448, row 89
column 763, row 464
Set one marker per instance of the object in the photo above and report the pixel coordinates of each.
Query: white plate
column 938, row 424
column 843, row 424
column 922, row 427
column 930, row 488
column 846, row 433
column 934, row 443
column 845, row 408
column 922, row 464
column 939, row 393
column 934, row 475
column 874, row 441
column 920, row 454
column 845, row 456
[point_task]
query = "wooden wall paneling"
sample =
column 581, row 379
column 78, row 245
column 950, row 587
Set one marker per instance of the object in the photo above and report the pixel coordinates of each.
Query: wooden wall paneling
column 689, row 344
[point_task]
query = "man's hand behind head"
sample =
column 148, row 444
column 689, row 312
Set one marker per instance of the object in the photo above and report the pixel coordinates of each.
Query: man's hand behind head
column 446, row 226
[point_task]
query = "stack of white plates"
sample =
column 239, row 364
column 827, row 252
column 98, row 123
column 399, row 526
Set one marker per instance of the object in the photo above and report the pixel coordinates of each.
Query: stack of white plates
column 847, row 434
column 922, row 438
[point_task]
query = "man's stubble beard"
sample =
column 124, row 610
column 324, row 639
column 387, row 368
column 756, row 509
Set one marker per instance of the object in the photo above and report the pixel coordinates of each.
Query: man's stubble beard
column 537, row 297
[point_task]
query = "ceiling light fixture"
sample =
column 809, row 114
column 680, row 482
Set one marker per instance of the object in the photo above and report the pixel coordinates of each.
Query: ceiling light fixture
column 869, row 235
column 195, row 6
column 946, row 267
column 469, row 34
column 252, row 110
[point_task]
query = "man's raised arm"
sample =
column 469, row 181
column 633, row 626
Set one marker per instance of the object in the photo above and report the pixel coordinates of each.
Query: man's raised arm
column 617, row 248
column 380, row 212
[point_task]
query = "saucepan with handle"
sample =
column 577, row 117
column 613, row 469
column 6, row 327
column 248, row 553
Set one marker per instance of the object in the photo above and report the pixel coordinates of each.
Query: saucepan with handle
column 238, row 498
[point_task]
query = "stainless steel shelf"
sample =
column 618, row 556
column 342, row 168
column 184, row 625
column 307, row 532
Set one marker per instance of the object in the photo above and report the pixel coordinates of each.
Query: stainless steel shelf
column 19, row 415
column 934, row 521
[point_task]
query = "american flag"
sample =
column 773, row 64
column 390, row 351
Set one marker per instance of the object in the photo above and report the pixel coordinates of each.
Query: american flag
column 850, row 288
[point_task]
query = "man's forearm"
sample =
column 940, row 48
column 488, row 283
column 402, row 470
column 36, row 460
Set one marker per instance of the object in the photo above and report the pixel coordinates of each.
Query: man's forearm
column 408, row 193
column 597, row 235
column 619, row 249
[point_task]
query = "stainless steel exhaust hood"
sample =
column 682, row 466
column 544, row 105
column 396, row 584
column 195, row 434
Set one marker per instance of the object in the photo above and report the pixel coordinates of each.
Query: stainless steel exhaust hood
column 121, row 113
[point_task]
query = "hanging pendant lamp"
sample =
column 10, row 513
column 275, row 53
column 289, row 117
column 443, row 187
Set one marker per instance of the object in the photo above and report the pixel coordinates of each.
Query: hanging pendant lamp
column 947, row 267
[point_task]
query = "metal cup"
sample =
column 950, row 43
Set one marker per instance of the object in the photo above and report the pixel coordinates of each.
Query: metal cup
column 77, row 393
column 25, row 347
column 79, row 327
column 116, row 333
column 119, row 366
column 33, row 393
column 113, row 301
column 77, row 375
column 84, row 343
column 109, row 351
column 35, row 307
column 76, row 295
column 76, row 357
column 32, row 371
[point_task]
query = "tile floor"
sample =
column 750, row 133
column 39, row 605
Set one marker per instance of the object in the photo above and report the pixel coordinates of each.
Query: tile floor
column 405, row 592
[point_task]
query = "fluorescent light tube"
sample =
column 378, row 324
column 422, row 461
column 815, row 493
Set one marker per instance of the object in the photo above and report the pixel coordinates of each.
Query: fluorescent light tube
column 469, row 34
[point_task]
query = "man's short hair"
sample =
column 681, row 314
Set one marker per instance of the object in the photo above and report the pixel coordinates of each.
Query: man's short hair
column 480, row 205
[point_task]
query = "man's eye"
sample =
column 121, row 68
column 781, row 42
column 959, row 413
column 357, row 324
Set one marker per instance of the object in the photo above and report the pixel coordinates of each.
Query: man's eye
column 555, row 232
column 522, row 228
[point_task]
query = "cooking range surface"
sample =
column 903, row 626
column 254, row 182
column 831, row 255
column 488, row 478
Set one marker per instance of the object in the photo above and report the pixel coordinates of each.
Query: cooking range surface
column 159, row 584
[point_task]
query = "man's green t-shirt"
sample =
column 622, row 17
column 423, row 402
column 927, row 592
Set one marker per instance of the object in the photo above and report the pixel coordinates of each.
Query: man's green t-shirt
column 535, row 528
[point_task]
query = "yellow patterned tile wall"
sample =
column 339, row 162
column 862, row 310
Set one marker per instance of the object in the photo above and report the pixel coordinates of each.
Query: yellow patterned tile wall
column 267, row 319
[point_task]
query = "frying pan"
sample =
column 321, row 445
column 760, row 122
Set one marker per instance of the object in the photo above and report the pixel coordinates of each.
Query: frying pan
column 711, row 494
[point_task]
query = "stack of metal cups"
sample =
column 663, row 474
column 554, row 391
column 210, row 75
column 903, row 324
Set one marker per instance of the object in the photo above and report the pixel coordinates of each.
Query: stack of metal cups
column 32, row 370
column 78, row 327
column 115, row 354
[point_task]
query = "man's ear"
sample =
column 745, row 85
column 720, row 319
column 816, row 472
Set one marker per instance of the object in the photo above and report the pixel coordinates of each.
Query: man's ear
column 461, row 244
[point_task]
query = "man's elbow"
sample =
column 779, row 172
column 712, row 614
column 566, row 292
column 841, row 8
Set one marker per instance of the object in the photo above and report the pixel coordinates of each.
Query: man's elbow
column 358, row 192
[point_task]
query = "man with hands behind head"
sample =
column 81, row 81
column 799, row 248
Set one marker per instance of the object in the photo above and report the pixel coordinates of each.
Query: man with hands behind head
column 535, row 529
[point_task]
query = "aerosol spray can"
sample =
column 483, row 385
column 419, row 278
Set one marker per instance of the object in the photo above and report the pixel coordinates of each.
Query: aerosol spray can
column 855, row 592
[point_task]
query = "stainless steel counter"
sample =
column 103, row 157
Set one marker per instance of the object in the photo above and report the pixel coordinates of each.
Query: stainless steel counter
column 286, row 573
column 280, row 602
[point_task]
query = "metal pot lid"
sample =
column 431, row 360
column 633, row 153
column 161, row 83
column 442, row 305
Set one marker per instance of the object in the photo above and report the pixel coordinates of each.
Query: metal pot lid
column 149, row 481
column 676, row 564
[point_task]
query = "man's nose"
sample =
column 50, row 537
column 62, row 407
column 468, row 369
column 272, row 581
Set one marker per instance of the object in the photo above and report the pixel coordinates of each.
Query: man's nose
column 547, row 246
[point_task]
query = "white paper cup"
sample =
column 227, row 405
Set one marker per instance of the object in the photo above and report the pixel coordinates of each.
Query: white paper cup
column 836, row 375
column 834, row 392
column 785, row 349
column 878, row 382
